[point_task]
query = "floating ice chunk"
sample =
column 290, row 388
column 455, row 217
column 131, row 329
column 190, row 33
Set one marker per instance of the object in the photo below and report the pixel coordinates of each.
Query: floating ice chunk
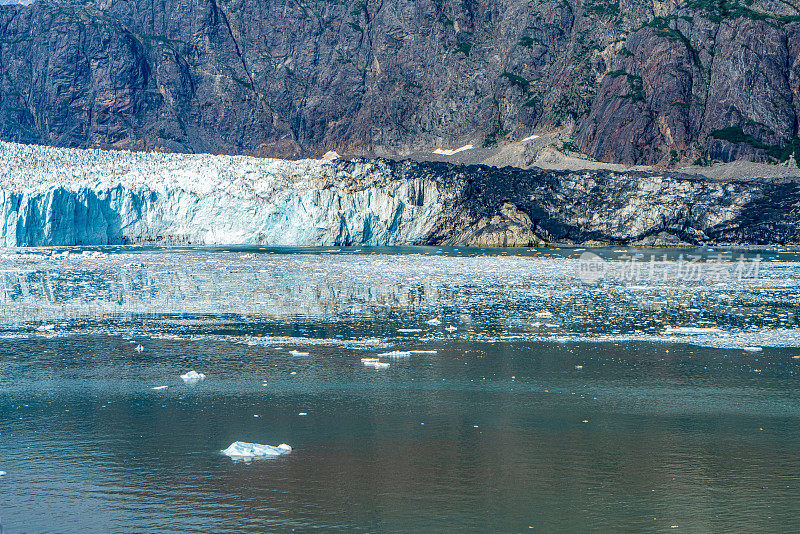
column 192, row 377
column 301, row 414
column 752, row 349
column 139, row 348
column 434, row 322
column 2, row 473
column 375, row 364
column 244, row 450
column 579, row 367
column 159, row 387
column 293, row 373
column 297, row 353
column 409, row 330
column 396, row 354
column 691, row 330
column 46, row 328
column 544, row 315
column 422, row 351
column 451, row 328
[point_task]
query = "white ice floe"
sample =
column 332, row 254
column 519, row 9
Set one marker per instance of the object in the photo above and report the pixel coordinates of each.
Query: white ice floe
column 139, row 348
column 409, row 330
column 2, row 473
column 372, row 362
column 301, row 414
column 544, row 315
column 451, row 328
column 297, row 353
column 433, row 322
column 396, row 354
column 159, row 387
column 579, row 367
column 46, row 328
column 752, row 349
column 193, row 377
column 450, row 152
column 244, row 450
column 691, row 330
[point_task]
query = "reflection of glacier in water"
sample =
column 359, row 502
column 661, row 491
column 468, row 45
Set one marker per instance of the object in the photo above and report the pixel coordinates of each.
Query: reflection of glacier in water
column 341, row 295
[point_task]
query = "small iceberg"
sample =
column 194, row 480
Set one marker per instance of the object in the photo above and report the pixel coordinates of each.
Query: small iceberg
column 139, row 348
column 244, row 450
column 752, row 349
column 46, row 328
column 451, row 329
column 193, row 377
column 433, row 322
column 374, row 363
column 544, row 315
column 297, row 353
column 396, row 354
column 409, row 330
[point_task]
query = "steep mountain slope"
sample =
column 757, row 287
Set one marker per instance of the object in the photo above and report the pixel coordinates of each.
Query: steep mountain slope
column 636, row 81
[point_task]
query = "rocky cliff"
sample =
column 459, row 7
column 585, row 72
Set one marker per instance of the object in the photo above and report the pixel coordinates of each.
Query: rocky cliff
column 56, row 196
column 636, row 81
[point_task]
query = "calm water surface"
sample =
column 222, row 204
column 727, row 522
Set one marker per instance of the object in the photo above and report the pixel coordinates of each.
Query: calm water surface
column 634, row 404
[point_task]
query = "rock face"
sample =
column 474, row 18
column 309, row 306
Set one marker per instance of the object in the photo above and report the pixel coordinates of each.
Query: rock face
column 55, row 196
column 638, row 81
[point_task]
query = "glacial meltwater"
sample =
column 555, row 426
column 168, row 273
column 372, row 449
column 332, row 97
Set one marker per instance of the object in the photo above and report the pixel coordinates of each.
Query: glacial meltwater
column 420, row 390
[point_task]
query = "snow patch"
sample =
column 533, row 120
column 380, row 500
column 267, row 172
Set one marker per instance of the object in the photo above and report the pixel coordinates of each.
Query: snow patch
column 449, row 152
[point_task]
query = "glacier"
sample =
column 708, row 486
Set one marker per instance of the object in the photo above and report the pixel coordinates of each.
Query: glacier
column 65, row 197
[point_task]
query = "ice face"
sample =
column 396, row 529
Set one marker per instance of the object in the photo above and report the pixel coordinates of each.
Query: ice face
column 64, row 197
column 244, row 450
